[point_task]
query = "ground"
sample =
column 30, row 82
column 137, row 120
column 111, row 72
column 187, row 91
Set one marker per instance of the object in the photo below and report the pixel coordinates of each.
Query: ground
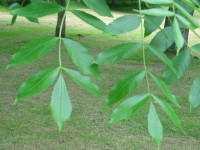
column 29, row 125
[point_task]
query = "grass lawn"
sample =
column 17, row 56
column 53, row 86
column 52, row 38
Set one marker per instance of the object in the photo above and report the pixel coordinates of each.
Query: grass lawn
column 29, row 125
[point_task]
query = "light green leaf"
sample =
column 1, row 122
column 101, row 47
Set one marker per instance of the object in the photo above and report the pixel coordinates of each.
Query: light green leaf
column 117, row 53
column 187, row 24
column 35, row 10
column 33, row 50
column 158, row 2
column 124, row 86
column 161, row 42
column 196, row 47
column 164, row 88
column 81, row 58
column 154, row 125
column 37, row 83
column 187, row 15
column 83, row 81
column 180, row 63
column 191, row 4
column 61, row 106
column 90, row 19
column 151, row 23
column 123, row 24
column 178, row 37
column 194, row 97
column 162, row 57
column 128, row 107
column 157, row 12
column 99, row 6
column 169, row 111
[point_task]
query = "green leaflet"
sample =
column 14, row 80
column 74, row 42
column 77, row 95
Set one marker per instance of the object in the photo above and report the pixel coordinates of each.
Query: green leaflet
column 188, row 16
column 99, row 6
column 194, row 96
column 161, row 42
column 180, row 63
column 154, row 125
column 128, row 107
column 157, row 12
column 178, row 37
column 164, row 88
column 187, row 24
column 125, row 86
column 152, row 23
column 123, row 24
column 158, row 1
column 37, row 83
column 33, row 50
column 83, row 81
column 169, row 111
column 117, row 53
column 34, row 20
column 61, row 106
column 191, row 4
column 90, row 19
column 81, row 58
column 36, row 10
column 162, row 57
column 196, row 48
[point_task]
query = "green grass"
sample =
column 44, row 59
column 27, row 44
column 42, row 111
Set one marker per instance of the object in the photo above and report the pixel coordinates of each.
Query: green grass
column 29, row 125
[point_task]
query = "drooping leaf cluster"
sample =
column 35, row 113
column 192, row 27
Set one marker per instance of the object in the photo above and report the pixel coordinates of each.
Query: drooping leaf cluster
column 149, row 20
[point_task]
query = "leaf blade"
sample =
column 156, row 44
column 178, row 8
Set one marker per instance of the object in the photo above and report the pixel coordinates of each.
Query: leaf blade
column 128, row 107
column 154, row 125
column 117, row 53
column 123, row 24
column 83, row 81
column 194, row 95
column 124, row 86
column 37, row 83
column 32, row 51
column 61, row 106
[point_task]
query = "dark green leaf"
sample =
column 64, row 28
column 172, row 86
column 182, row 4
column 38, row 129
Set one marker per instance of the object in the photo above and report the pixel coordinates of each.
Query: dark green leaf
column 124, row 86
column 178, row 37
column 99, row 6
column 128, row 107
column 36, row 10
column 83, row 81
column 117, row 53
column 162, row 57
column 81, row 58
column 151, row 23
column 194, row 97
column 35, row 20
column 154, row 125
column 33, row 50
column 123, row 24
column 164, row 88
column 37, row 83
column 169, row 111
column 161, row 42
column 180, row 63
column 90, row 19
column 61, row 106
column 14, row 18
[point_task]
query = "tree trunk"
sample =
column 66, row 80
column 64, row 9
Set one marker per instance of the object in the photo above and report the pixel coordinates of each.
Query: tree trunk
column 59, row 19
column 185, row 33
